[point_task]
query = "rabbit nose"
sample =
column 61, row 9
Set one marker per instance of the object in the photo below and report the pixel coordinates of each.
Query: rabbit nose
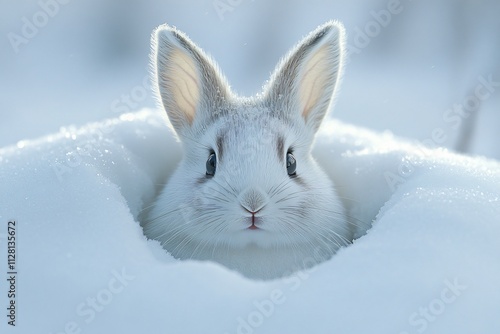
column 253, row 200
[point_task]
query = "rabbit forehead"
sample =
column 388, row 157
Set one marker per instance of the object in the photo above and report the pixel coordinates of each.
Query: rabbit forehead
column 242, row 132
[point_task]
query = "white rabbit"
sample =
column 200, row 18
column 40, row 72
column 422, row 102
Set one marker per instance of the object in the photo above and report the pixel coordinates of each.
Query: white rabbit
column 247, row 193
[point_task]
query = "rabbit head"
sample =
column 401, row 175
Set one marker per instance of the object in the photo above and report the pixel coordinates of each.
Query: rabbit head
column 248, row 193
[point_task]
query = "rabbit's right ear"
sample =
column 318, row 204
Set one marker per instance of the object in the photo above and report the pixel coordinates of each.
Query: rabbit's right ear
column 189, row 83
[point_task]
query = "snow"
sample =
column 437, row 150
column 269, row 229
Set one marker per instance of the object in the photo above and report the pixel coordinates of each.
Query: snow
column 429, row 263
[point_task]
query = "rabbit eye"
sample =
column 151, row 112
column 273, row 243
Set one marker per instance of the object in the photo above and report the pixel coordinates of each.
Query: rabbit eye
column 211, row 164
column 291, row 164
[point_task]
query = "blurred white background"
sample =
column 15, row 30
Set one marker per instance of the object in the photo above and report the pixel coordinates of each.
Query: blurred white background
column 68, row 62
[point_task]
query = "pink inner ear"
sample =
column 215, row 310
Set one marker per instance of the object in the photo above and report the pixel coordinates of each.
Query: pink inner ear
column 181, row 79
column 315, row 76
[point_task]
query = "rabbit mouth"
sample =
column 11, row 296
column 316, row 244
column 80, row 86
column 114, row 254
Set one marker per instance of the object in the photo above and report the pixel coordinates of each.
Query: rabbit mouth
column 253, row 220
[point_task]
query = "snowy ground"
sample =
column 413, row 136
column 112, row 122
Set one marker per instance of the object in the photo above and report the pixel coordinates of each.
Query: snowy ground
column 429, row 264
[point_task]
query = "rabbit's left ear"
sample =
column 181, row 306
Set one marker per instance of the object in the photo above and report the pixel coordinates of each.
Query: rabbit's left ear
column 305, row 81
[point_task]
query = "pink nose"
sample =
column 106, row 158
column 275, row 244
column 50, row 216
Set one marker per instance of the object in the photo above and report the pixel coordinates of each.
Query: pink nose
column 253, row 200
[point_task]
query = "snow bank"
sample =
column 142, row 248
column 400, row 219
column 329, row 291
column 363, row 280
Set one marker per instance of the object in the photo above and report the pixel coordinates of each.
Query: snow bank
column 429, row 264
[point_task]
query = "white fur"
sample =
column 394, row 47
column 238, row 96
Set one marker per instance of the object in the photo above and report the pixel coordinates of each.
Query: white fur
column 301, row 220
